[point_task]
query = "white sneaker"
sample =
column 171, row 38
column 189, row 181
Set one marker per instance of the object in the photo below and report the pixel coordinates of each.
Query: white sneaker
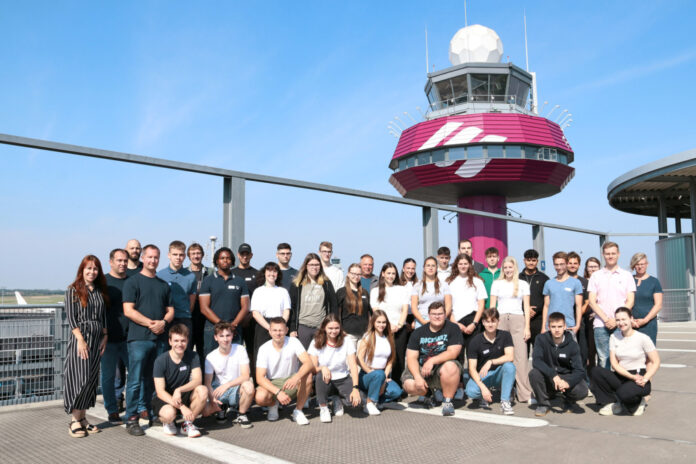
column 170, row 429
column 273, row 412
column 459, row 395
column 608, row 409
column 507, row 408
column 190, row 430
column 532, row 401
column 299, row 417
column 641, row 408
column 372, row 410
column 337, row 406
column 324, row 414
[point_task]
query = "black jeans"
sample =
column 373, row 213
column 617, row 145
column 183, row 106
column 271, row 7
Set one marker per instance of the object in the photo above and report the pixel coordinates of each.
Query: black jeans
column 607, row 386
column 344, row 387
column 544, row 388
column 399, row 364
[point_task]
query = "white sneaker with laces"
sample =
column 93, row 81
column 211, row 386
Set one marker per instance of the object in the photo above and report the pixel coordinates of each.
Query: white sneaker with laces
column 324, row 414
column 170, row 429
column 337, row 406
column 190, row 430
column 607, row 409
column 299, row 417
column 507, row 408
column 273, row 412
column 641, row 408
column 372, row 410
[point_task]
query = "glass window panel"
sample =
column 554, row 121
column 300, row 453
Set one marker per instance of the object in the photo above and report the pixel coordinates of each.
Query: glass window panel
column 423, row 159
column 512, row 91
column 474, row 152
column 402, row 164
column 513, row 151
column 460, row 87
column 438, row 155
column 457, row 153
column 495, row 151
column 479, row 87
column 521, row 94
column 498, row 83
column 444, row 89
column 411, row 161
column 563, row 158
column 433, row 98
column 531, row 152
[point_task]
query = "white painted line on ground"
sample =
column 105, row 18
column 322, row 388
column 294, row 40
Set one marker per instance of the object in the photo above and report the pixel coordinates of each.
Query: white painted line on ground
column 662, row 332
column 673, row 366
column 676, row 349
column 205, row 446
column 675, row 340
column 490, row 418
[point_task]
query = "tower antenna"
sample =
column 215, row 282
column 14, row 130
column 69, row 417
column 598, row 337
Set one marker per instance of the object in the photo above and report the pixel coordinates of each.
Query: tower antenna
column 526, row 51
column 426, row 50
column 466, row 22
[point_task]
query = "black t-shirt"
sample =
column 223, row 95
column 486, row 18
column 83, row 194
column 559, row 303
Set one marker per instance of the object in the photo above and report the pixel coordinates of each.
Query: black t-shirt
column 225, row 295
column 175, row 375
column 536, row 283
column 429, row 343
column 151, row 296
column 288, row 276
column 483, row 350
column 353, row 323
column 248, row 276
column 585, row 295
column 116, row 322
column 132, row 272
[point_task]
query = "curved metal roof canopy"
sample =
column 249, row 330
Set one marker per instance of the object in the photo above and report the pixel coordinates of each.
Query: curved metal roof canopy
column 665, row 182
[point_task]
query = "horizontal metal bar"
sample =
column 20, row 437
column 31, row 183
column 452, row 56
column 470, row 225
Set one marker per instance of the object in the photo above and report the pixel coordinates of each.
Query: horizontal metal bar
column 642, row 234
column 200, row 169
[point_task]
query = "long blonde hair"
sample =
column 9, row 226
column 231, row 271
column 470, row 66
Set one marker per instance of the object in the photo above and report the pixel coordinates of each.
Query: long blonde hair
column 515, row 274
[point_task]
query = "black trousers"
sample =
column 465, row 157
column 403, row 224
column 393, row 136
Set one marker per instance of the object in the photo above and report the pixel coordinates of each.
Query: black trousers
column 343, row 386
column 466, row 320
column 607, row 386
column 399, row 364
column 535, row 329
column 544, row 389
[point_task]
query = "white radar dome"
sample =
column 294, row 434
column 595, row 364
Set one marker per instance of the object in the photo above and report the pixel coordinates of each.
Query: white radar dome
column 475, row 43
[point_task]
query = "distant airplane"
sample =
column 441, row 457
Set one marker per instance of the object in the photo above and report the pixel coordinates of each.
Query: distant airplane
column 20, row 299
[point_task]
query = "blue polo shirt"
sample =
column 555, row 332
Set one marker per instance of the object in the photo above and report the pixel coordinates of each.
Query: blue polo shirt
column 562, row 297
column 182, row 284
column 225, row 295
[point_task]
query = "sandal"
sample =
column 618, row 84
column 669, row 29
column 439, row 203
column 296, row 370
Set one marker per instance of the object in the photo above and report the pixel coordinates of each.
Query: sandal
column 78, row 432
column 89, row 427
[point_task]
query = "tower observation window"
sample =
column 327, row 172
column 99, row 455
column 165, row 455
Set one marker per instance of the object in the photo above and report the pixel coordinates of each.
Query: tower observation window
column 479, row 87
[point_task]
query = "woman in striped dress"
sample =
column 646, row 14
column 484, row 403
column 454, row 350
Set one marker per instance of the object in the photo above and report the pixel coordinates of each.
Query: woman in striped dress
column 85, row 310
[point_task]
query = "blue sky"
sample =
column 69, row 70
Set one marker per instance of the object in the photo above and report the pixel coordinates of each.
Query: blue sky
column 304, row 90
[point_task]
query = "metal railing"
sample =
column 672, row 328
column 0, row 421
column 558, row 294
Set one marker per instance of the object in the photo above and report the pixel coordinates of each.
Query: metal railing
column 33, row 345
column 476, row 104
column 677, row 305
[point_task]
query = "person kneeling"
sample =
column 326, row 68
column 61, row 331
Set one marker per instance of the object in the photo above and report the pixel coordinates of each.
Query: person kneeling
column 557, row 366
column 333, row 355
column 177, row 375
column 431, row 358
column 227, row 377
column 492, row 351
column 279, row 376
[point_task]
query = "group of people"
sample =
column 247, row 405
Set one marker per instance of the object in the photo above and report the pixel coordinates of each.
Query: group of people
column 201, row 341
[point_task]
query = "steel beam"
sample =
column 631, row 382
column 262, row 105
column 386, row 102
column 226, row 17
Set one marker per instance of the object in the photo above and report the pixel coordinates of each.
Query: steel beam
column 431, row 234
column 233, row 198
column 538, row 244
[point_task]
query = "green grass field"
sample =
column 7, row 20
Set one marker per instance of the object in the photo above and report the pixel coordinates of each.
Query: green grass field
column 38, row 299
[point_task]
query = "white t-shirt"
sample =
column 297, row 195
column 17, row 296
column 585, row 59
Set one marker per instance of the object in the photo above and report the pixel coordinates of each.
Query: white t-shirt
column 631, row 351
column 226, row 368
column 270, row 301
column 508, row 304
column 424, row 299
column 335, row 275
column 395, row 298
column 409, row 289
column 335, row 358
column 443, row 274
column 283, row 363
column 382, row 352
column 465, row 298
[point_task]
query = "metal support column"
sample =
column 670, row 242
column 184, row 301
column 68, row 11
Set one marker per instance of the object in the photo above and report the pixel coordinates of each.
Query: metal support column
column 677, row 222
column 692, row 284
column 602, row 240
column 538, row 245
column 430, row 232
column 233, row 212
column 661, row 217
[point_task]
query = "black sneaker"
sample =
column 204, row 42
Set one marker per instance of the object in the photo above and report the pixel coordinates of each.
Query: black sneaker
column 221, row 416
column 243, row 421
column 133, row 427
column 115, row 419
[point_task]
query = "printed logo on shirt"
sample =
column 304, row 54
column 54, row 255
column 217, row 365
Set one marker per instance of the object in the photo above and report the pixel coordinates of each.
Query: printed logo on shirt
column 562, row 355
column 486, row 351
column 183, row 368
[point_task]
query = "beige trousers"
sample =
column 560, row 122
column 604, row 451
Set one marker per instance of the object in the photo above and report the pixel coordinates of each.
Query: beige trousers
column 514, row 323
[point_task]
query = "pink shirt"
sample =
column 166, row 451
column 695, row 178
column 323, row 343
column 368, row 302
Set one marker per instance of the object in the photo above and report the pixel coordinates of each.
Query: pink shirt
column 611, row 288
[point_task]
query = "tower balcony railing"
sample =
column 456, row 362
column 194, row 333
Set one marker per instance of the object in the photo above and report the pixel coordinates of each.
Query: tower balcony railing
column 477, row 104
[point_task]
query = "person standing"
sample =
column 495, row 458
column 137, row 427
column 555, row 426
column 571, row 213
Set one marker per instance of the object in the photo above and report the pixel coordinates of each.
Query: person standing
column 428, row 290
column 117, row 327
column 247, row 273
column 332, row 271
column 536, row 281
column 134, row 250
column 585, row 333
column 284, row 254
column 353, row 304
column 195, row 254
column 492, row 272
column 468, row 298
column 182, row 284
column 443, row 263
column 147, row 304
column 563, row 294
column 648, row 301
column 466, row 248
column 85, row 311
column 367, row 264
column 269, row 301
column 611, row 287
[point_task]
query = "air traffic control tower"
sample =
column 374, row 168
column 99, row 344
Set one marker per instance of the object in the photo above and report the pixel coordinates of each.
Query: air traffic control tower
column 482, row 145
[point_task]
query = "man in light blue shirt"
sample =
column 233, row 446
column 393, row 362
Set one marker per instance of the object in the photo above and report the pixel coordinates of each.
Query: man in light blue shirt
column 182, row 284
column 563, row 294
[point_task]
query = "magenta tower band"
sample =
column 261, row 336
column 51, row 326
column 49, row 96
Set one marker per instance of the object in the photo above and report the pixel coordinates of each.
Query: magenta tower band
column 483, row 144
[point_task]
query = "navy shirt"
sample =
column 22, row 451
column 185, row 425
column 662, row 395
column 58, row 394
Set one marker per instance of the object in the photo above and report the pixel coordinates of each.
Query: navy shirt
column 430, row 344
column 175, row 375
column 483, row 350
column 182, row 284
column 151, row 296
column 116, row 322
column 248, row 275
column 288, row 276
column 132, row 272
column 225, row 295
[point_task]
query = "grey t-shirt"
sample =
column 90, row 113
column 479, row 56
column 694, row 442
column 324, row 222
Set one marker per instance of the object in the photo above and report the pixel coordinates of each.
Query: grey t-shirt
column 311, row 307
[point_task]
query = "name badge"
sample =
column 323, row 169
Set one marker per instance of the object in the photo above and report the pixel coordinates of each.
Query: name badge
column 486, row 351
column 562, row 355
column 248, row 278
column 232, row 287
column 568, row 289
column 183, row 368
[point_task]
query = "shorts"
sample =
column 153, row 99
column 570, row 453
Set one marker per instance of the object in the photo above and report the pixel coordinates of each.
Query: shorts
column 433, row 380
column 158, row 404
column 231, row 395
column 280, row 382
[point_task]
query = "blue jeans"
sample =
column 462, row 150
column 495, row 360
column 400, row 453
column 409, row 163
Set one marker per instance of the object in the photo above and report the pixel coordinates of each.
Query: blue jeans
column 140, row 386
column 209, row 342
column 502, row 376
column 231, row 395
column 372, row 384
column 601, row 337
column 109, row 363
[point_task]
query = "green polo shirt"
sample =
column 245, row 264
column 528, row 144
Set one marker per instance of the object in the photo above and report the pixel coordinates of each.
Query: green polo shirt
column 488, row 278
